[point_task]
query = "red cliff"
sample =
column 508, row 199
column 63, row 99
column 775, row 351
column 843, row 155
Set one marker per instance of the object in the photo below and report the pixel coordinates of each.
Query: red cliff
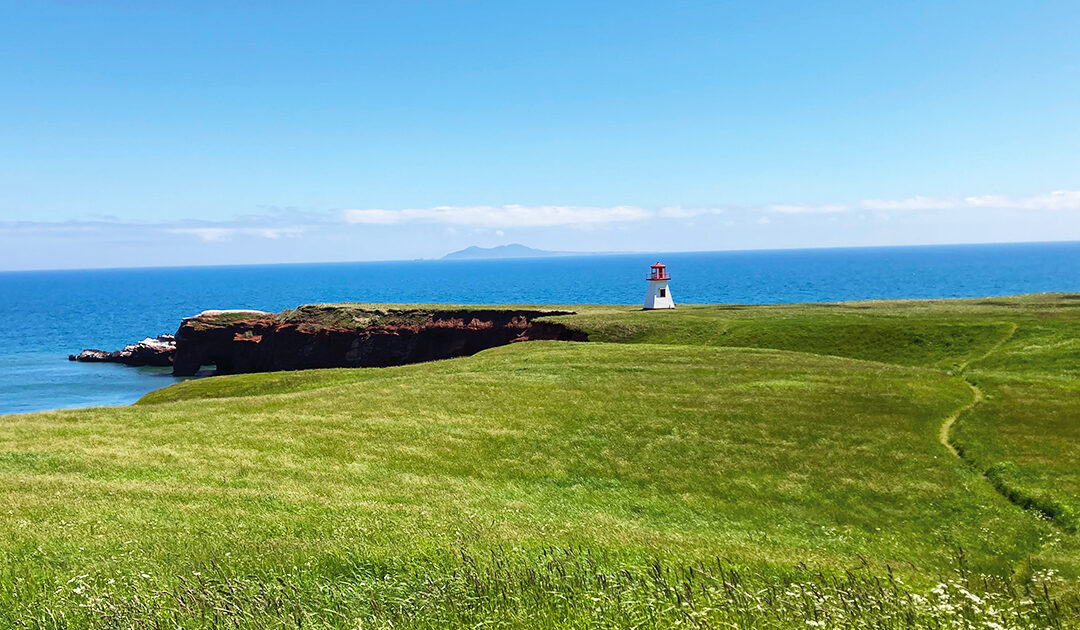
column 325, row 336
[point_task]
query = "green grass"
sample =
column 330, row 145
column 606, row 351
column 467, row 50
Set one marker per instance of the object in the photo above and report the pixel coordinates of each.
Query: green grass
column 711, row 466
column 347, row 316
column 1023, row 352
column 1027, row 434
column 912, row 333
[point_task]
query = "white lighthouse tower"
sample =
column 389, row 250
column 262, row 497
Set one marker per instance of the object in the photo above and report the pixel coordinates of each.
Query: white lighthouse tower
column 659, row 295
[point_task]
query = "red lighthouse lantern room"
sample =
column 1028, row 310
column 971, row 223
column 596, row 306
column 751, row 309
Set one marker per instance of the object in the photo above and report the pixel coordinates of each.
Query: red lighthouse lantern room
column 659, row 295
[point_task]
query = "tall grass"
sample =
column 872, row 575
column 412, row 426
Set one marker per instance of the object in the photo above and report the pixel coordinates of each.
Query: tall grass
column 570, row 587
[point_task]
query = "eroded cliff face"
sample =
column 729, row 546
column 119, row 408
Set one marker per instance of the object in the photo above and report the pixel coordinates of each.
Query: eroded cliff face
column 350, row 336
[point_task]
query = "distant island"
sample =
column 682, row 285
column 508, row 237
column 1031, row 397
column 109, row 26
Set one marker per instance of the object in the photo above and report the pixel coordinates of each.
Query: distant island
column 514, row 250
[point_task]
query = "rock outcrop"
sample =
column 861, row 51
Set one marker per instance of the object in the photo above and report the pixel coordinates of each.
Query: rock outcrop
column 326, row 336
column 152, row 351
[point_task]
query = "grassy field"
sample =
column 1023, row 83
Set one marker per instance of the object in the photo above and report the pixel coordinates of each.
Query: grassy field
column 713, row 466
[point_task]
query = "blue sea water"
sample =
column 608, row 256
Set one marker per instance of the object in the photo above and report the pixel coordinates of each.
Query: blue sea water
column 46, row 315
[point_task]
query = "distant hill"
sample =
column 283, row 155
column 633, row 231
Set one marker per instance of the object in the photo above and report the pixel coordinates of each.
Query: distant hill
column 502, row 251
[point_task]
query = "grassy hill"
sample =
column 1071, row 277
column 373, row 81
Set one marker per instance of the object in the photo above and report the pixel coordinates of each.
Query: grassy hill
column 712, row 466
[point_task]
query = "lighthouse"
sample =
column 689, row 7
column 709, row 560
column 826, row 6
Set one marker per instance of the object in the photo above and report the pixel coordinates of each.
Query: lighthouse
column 659, row 295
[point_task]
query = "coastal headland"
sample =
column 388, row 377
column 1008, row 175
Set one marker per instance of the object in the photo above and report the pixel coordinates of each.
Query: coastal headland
column 334, row 335
column 859, row 464
column 348, row 335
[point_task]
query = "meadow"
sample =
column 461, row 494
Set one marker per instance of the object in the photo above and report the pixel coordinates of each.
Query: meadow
column 871, row 464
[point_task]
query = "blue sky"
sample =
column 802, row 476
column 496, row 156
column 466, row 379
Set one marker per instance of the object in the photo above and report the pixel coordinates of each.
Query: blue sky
column 230, row 132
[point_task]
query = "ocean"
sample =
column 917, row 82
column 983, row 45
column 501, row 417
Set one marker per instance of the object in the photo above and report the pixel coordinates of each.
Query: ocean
column 47, row 315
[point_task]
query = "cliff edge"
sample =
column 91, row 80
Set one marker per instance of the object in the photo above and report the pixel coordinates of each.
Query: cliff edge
column 351, row 335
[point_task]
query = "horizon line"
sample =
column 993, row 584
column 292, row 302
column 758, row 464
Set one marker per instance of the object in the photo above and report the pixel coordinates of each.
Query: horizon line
column 557, row 254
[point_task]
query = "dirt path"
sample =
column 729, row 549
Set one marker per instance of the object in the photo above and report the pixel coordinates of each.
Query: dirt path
column 943, row 433
column 977, row 394
column 994, row 348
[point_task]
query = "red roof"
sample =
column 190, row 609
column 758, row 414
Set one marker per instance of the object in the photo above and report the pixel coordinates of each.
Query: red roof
column 659, row 266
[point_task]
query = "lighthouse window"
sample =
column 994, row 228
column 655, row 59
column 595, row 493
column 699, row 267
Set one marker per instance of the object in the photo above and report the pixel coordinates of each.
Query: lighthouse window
column 663, row 292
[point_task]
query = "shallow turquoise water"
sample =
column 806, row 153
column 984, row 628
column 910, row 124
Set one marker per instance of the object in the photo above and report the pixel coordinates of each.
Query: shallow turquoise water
column 47, row 315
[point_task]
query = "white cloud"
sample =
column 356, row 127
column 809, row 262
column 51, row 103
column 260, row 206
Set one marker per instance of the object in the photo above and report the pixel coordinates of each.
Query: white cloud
column 799, row 208
column 286, row 223
column 279, row 232
column 911, row 203
column 1056, row 200
column 682, row 212
column 522, row 216
column 53, row 227
column 500, row 216
column 207, row 235
column 223, row 234
column 981, row 201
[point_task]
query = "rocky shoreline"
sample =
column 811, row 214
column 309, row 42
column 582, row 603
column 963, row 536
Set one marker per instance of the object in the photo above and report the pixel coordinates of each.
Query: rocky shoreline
column 328, row 336
column 152, row 351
